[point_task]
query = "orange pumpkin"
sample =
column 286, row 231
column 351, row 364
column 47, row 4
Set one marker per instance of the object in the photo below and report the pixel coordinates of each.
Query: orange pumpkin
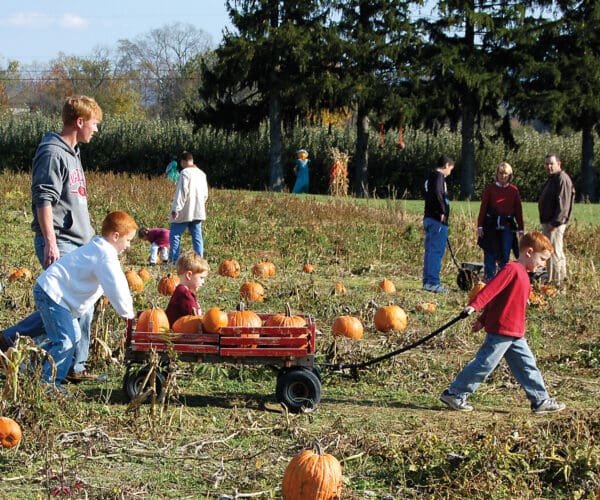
column 477, row 287
column 390, row 318
column 134, row 281
column 145, row 275
column 387, row 286
column 153, row 320
column 167, row 285
column 229, row 268
column 22, row 274
column 286, row 319
column 252, row 292
column 214, row 319
column 190, row 323
column 10, row 432
column 242, row 317
column 339, row 289
column 264, row 269
column 427, row 307
column 308, row 268
column 312, row 475
column 348, row 326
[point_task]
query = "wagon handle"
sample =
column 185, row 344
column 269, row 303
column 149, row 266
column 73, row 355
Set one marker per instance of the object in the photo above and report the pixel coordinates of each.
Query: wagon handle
column 354, row 367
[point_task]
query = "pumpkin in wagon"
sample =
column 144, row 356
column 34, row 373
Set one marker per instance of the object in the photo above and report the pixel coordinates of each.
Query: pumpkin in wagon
column 10, row 432
column 229, row 268
column 153, row 320
column 252, row 292
column 167, row 285
column 189, row 323
column 243, row 317
column 312, row 475
column 214, row 319
column 286, row 320
column 389, row 318
column 348, row 326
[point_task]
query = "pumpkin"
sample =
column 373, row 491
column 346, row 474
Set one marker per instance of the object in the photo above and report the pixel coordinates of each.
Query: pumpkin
column 134, row 281
column 264, row 269
column 387, row 286
column 477, row 287
column 214, row 319
column 312, row 475
column 308, row 268
column 348, row 326
column 22, row 274
column 252, row 291
column 536, row 299
column 189, row 323
column 145, row 275
column 549, row 290
column 339, row 289
column 10, row 432
column 427, row 307
column 229, row 268
column 242, row 317
column 153, row 320
column 390, row 318
column 167, row 285
column 286, row 319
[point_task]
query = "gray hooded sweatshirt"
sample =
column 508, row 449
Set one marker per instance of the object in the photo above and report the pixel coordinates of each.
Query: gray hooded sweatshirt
column 57, row 180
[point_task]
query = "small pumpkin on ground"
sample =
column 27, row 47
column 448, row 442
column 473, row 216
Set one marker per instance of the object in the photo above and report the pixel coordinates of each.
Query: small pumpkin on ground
column 339, row 289
column 190, row 323
column 477, row 287
column 10, row 432
column 264, row 269
column 153, row 320
column 145, row 275
column 167, row 285
column 252, row 292
column 229, row 268
column 286, row 320
column 389, row 318
column 312, row 475
column 427, row 307
column 387, row 286
column 214, row 319
column 308, row 268
column 136, row 284
column 348, row 326
column 20, row 274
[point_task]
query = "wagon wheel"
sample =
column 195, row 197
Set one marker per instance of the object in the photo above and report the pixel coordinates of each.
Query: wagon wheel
column 298, row 388
column 465, row 279
column 137, row 381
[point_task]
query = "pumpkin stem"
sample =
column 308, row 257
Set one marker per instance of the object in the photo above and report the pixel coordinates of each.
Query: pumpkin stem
column 317, row 448
column 240, row 307
column 288, row 310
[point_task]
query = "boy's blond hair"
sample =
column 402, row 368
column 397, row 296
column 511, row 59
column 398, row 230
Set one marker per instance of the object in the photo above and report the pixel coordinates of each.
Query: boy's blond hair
column 80, row 106
column 191, row 261
column 537, row 241
column 118, row 222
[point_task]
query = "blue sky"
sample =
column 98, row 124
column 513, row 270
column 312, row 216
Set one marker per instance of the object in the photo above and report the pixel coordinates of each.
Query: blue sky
column 38, row 30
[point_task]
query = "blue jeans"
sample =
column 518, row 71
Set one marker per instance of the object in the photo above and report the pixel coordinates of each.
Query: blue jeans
column 519, row 358
column 177, row 229
column 63, row 335
column 489, row 259
column 436, row 236
column 33, row 326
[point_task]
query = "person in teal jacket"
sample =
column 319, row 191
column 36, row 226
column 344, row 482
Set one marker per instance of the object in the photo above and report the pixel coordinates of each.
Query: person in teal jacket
column 301, row 171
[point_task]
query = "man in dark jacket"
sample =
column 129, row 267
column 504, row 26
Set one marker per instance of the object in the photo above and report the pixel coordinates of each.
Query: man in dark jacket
column 555, row 205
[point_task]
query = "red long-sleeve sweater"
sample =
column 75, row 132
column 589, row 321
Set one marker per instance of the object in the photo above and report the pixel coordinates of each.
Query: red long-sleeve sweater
column 182, row 302
column 505, row 301
column 504, row 200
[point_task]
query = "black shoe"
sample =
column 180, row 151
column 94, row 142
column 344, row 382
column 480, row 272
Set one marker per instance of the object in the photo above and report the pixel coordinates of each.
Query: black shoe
column 84, row 376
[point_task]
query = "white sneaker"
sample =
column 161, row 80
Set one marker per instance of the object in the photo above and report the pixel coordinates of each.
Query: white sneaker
column 435, row 288
column 548, row 406
column 454, row 403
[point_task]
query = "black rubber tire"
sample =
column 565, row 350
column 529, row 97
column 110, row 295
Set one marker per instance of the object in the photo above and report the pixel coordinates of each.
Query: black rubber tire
column 298, row 388
column 133, row 383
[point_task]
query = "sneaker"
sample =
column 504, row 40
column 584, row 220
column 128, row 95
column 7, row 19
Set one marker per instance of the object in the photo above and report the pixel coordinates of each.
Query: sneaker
column 84, row 376
column 435, row 288
column 454, row 403
column 548, row 406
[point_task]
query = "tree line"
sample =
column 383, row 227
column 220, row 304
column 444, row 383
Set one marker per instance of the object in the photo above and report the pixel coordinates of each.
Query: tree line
column 475, row 66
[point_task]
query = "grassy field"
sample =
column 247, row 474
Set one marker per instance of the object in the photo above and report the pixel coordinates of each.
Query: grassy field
column 221, row 433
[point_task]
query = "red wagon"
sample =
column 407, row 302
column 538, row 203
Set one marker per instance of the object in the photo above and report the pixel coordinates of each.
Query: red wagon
column 290, row 349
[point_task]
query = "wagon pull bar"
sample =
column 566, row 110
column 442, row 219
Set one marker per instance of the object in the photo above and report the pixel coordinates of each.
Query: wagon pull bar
column 354, row 367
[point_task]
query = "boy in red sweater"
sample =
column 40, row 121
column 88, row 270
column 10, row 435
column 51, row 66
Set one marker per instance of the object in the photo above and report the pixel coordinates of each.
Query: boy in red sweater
column 192, row 271
column 159, row 243
column 505, row 301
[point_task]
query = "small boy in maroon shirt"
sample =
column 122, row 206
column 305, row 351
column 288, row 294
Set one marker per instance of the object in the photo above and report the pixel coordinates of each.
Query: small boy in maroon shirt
column 192, row 271
column 505, row 300
column 159, row 243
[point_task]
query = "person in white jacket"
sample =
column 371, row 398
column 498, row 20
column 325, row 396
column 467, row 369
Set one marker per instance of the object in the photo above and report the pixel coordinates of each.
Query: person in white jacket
column 189, row 207
column 72, row 284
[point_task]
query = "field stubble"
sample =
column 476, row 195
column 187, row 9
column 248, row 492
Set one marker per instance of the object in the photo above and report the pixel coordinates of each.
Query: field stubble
column 221, row 433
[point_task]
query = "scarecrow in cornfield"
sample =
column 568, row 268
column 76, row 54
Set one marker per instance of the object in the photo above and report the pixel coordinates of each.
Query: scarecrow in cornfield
column 338, row 177
column 301, row 171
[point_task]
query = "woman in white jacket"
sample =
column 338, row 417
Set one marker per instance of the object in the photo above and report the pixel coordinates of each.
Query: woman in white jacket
column 189, row 207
